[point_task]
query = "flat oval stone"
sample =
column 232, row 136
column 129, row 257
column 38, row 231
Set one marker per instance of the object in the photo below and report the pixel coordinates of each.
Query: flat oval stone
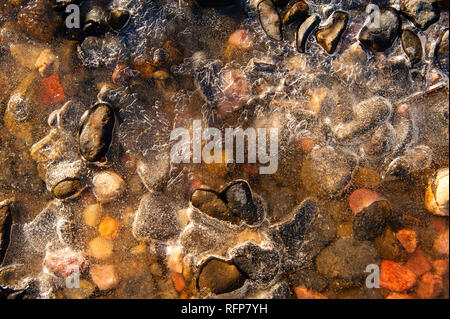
column 328, row 36
column 412, row 46
column 270, row 20
column 66, row 188
column 96, row 132
column 305, row 30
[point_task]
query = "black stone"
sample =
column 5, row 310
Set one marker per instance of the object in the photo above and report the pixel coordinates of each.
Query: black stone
column 412, row 46
column 371, row 221
column 422, row 13
column 381, row 38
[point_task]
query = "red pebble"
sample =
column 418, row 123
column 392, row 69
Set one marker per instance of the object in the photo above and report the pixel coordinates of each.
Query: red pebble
column 396, row 277
column 104, row 276
column 52, row 91
column 440, row 267
column 417, row 263
column 441, row 244
column 430, row 286
column 362, row 198
column 178, row 281
column 396, row 295
column 64, row 262
column 408, row 239
column 303, row 293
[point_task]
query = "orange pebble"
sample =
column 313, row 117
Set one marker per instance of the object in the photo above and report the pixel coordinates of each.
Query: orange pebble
column 396, row 295
column 109, row 227
column 417, row 263
column 178, row 281
column 430, row 286
column 303, row 293
column 396, row 277
column 440, row 267
column 408, row 239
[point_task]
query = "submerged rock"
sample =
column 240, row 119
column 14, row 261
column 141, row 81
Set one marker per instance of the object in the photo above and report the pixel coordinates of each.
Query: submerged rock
column 346, row 259
column 422, row 12
column 437, row 193
column 441, row 52
column 298, row 12
column 219, row 277
column 270, row 20
column 328, row 36
column 412, row 46
column 380, row 37
column 370, row 222
column 304, row 30
column 96, row 132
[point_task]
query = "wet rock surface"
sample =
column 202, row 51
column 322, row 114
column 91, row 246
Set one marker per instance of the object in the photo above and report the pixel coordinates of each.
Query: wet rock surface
column 328, row 36
column 380, row 37
column 422, row 12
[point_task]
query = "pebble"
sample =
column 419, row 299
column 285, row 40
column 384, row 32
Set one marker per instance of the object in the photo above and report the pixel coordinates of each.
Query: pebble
column 92, row 214
column 96, row 132
column 381, row 38
column 104, row 276
column 64, row 262
column 437, row 193
column 329, row 35
column 242, row 40
column 109, row 228
column 298, row 12
column 417, row 263
column 270, row 20
column 219, row 277
column 362, row 198
column 303, row 293
column 66, row 188
column 430, row 286
column 178, row 280
column 371, row 221
column 346, row 259
column 396, row 277
column 388, row 246
column 412, row 46
column 100, row 248
column 422, row 12
column 52, row 90
column 304, row 30
column 408, row 239
column 328, row 159
column 108, row 186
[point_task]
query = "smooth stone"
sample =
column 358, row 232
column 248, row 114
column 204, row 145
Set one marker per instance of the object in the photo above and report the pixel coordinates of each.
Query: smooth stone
column 270, row 20
column 298, row 12
column 381, row 38
column 305, row 30
column 66, row 188
column 422, row 13
column 328, row 36
column 108, row 186
column 388, row 246
column 219, row 277
column 96, row 132
column 412, row 46
column 209, row 203
column 347, row 259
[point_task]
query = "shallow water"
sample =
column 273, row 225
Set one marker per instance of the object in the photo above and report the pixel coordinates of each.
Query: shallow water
column 311, row 97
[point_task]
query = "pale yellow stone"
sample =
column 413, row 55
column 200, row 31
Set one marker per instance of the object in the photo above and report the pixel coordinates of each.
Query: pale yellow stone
column 92, row 214
column 100, row 248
